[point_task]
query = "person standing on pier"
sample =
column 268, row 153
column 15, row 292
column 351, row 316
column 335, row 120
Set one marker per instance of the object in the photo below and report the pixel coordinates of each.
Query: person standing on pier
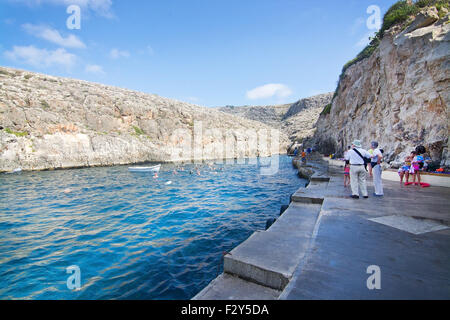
column 376, row 171
column 357, row 169
column 346, row 151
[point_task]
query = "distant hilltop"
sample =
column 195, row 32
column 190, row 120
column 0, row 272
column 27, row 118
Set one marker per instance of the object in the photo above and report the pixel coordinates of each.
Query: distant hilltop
column 49, row 122
column 296, row 120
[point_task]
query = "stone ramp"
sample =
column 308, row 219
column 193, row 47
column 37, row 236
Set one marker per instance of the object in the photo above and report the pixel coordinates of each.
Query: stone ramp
column 270, row 257
column 228, row 287
column 299, row 218
column 313, row 194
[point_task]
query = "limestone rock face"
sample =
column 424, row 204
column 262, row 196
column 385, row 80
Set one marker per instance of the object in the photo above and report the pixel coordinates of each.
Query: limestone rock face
column 296, row 120
column 399, row 96
column 299, row 121
column 49, row 122
column 424, row 19
column 318, row 101
column 270, row 115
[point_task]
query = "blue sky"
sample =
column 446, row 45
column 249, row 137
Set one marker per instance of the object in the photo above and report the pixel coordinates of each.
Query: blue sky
column 208, row 52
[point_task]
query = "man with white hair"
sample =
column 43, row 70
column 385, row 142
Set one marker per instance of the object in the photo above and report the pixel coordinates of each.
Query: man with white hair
column 357, row 169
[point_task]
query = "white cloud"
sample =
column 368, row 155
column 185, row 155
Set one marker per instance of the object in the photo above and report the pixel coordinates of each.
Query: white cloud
column 268, row 91
column 116, row 54
column 148, row 50
column 9, row 21
column 53, row 36
column 41, row 58
column 100, row 7
column 357, row 24
column 95, row 69
column 193, row 99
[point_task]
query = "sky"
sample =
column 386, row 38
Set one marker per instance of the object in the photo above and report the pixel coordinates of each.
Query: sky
column 206, row 52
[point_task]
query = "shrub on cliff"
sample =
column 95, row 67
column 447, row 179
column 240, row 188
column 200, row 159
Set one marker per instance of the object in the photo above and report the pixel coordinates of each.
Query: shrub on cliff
column 367, row 52
column 16, row 133
column 3, row 72
column 326, row 110
column 138, row 131
column 401, row 11
column 45, row 104
column 398, row 14
column 424, row 3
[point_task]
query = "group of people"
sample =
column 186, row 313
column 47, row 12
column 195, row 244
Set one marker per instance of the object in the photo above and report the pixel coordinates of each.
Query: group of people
column 412, row 165
column 303, row 153
column 196, row 169
column 357, row 160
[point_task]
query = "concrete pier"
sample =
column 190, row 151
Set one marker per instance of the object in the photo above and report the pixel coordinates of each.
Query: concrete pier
column 322, row 245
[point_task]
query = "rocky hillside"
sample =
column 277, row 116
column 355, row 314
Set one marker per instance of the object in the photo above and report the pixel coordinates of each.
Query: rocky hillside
column 296, row 120
column 399, row 94
column 270, row 115
column 50, row 122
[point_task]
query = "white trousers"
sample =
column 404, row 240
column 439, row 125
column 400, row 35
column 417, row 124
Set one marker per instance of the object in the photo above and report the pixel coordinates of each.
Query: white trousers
column 358, row 180
column 376, row 171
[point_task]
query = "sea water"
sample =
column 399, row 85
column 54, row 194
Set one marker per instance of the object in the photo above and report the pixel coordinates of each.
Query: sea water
column 131, row 235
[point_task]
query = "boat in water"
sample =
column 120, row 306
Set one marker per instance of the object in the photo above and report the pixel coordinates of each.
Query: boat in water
column 145, row 169
column 18, row 170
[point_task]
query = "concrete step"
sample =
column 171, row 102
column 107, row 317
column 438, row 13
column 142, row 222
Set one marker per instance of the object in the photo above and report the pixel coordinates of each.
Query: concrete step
column 299, row 218
column 269, row 258
column 228, row 287
column 314, row 193
column 320, row 178
column 307, row 198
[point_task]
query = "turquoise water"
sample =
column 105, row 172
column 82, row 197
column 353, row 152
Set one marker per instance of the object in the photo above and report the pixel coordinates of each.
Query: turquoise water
column 132, row 236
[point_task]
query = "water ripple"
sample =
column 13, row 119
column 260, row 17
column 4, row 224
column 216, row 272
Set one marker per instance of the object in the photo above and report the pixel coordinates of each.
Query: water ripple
column 133, row 237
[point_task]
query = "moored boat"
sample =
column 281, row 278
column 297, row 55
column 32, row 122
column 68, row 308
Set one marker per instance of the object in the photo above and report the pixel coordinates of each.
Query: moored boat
column 145, row 169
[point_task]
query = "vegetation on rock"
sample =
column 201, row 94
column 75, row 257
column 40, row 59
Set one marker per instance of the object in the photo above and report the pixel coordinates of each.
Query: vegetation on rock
column 138, row 131
column 45, row 104
column 16, row 133
column 398, row 14
column 326, row 110
column 399, row 96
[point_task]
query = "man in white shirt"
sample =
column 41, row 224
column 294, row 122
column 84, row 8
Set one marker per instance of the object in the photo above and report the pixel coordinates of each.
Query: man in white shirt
column 346, row 151
column 358, row 173
column 377, row 156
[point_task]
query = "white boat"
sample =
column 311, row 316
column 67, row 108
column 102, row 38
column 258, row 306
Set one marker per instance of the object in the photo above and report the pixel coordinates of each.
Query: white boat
column 18, row 170
column 145, row 169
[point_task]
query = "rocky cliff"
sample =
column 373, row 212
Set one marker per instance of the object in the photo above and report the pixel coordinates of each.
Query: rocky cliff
column 270, row 115
column 49, row 122
column 296, row 120
column 399, row 95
